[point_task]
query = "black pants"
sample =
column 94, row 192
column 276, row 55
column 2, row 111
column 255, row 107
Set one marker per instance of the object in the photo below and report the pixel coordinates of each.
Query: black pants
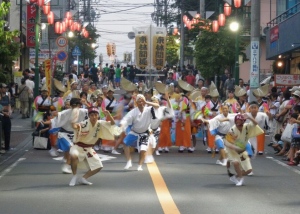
column 6, row 129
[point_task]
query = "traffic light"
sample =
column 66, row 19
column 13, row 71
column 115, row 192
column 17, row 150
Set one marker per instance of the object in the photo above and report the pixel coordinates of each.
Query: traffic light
column 109, row 49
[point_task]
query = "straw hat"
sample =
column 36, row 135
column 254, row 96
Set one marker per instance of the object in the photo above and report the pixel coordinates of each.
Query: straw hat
column 296, row 93
column 295, row 88
column 195, row 94
column 127, row 85
column 239, row 91
column 161, row 88
column 73, row 82
column 45, row 88
column 213, row 91
column 261, row 91
column 185, row 86
column 97, row 93
column 59, row 85
column 110, row 88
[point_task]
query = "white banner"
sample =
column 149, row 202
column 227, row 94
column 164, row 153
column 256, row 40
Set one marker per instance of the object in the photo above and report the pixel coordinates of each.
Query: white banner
column 254, row 69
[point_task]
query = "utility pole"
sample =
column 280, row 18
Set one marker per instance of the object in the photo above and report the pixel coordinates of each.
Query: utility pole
column 255, row 47
column 89, row 11
column 166, row 14
column 202, row 9
column 157, row 12
column 21, row 35
column 181, row 35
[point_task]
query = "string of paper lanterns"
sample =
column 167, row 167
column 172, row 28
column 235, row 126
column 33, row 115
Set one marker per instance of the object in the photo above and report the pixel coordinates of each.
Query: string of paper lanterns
column 222, row 17
column 60, row 27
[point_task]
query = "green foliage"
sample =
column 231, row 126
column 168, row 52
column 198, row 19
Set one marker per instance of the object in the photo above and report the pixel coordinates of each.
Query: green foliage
column 172, row 50
column 9, row 43
column 84, row 44
column 216, row 51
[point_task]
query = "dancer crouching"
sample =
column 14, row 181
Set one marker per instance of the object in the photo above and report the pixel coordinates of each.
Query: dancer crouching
column 86, row 135
column 236, row 141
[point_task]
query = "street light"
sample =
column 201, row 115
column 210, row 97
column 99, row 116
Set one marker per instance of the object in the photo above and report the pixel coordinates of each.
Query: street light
column 234, row 26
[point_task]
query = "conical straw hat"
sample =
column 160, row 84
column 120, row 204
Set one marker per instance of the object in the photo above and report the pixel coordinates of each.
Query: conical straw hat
column 194, row 95
column 45, row 88
column 59, row 85
column 161, row 88
column 185, row 86
column 213, row 91
column 261, row 91
column 238, row 91
column 127, row 85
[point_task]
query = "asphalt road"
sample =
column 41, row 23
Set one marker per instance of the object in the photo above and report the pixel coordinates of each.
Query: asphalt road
column 31, row 182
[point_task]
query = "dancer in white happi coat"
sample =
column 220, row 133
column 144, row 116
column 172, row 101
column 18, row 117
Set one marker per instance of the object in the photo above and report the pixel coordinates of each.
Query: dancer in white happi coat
column 140, row 119
column 86, row 134
column 262, row 120
column 236, row 141
column 221, row 125
column 64, row 120
column 161, row 113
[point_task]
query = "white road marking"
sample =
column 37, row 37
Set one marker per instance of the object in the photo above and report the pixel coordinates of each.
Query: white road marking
column 284, row 165
column 101, row 156
column 11, row 167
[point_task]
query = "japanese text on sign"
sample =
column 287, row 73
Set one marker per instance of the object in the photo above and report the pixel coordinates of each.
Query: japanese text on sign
column 31, row 16
column 287, row 79
column 141, row 43
column 254, row 70
column 159, row 44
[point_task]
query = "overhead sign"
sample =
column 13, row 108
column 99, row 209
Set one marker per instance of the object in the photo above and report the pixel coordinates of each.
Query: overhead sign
column 254, row 70
column 62, row 56
column 159, row 51
column 141, row 44
column 76, row 51
column 287, row 79
column 61, row 41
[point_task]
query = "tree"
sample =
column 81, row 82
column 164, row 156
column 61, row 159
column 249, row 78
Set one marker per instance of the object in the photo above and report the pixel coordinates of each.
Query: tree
column 9, row 41
column 172, row 50
column 216, row 51
column 85, row 44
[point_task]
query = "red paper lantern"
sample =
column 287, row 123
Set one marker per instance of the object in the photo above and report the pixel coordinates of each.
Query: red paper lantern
column 215, row 26
column 78, row 26
column 222, row 19
column 68, row 15
column 188, row 24
column 70, row 22
column 86, row 34
column 73, row 26
column 175, row 31
column 227, row 9
column 33, row 1
column 41, row 3
column 57, row 27
column 185, row 18
column 50, row 18
column 63, row 27
column 46, row 8
column 237, row 3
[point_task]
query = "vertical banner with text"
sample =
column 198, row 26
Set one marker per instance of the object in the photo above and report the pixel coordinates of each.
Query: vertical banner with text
column 159, row 51
column 141, row 44
column 254, row 69
column 48, row 73
column 30, row 31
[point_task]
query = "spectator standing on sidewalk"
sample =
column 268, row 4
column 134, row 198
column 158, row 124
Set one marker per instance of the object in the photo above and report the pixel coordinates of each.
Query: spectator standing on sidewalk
column 24, row 92
column 30, row 84
column 5, row 117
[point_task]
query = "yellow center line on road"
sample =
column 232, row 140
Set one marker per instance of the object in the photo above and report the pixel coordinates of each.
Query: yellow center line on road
column 166, row 201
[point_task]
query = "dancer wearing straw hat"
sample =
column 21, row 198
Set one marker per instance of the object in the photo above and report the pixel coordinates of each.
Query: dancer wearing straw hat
column 241, row 105
column 183, row 124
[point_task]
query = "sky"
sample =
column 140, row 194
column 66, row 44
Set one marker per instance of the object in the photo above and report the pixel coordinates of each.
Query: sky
column 118, row 18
